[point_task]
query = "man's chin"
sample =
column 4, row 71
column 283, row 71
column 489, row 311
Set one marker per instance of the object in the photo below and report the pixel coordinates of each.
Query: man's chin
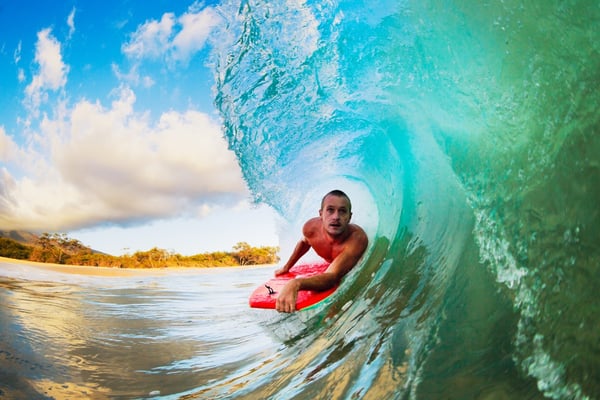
column 335, row 230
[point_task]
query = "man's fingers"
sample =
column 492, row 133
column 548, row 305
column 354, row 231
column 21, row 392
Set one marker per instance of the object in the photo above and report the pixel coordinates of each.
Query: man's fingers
column 284, row 306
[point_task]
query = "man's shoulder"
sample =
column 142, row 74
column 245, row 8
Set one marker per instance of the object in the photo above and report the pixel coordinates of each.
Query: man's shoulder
column 356, row 229
column 358, row 235
column 311, row 227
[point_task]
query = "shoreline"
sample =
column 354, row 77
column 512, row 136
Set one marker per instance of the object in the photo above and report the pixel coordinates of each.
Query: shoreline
column 117, row 272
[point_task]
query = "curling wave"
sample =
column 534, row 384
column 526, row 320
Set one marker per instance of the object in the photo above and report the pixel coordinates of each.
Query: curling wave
column 466, row 135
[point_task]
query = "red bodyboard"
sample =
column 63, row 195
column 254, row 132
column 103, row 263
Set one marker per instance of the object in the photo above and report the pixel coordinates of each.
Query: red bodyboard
column 262, row 298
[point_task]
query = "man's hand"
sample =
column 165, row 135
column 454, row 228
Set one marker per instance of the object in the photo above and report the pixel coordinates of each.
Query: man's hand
column 286, row 301
column 281, row 271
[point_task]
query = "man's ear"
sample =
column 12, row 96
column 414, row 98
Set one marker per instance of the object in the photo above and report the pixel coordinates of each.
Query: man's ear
column 320, row 212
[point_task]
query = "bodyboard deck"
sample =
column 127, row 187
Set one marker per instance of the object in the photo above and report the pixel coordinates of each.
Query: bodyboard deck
column 265, row 295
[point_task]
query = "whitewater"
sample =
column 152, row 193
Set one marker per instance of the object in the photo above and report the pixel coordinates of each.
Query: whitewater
column 466, row 135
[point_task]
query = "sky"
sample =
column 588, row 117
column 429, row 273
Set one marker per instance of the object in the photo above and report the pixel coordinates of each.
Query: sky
column 108, row 131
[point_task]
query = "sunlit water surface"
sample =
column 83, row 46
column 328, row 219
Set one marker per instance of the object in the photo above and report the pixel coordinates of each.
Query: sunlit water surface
column 75, row 336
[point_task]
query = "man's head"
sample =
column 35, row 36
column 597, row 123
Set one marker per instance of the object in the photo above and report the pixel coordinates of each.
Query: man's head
column 335, row 212
column 337, row 193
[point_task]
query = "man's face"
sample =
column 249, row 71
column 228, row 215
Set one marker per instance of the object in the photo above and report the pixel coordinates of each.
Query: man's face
column 335, row 215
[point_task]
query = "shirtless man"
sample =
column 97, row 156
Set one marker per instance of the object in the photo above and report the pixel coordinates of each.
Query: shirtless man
column 334, row 238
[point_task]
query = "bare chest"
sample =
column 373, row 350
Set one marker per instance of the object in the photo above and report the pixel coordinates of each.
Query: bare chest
column 326, row 250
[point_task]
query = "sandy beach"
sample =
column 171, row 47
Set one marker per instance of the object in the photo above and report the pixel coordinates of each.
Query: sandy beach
column 115, row 272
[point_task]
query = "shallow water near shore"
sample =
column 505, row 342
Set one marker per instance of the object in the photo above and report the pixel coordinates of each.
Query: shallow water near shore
column 190, row 334
column 65, row 335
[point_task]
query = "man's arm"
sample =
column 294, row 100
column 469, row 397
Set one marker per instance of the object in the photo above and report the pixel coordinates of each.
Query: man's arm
column 343, row 263
column 301, row 248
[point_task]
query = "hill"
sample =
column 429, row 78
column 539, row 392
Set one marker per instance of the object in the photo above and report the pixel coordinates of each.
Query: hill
column 20, row 236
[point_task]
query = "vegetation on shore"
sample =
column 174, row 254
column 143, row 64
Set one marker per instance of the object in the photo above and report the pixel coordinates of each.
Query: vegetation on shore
column 58, row 248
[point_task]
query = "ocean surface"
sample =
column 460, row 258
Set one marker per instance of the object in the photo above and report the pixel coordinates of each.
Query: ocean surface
column 157, row 335
column 467, row 135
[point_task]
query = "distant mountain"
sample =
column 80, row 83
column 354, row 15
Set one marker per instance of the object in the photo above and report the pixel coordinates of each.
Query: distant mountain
column 30, row 239
column 20, row 236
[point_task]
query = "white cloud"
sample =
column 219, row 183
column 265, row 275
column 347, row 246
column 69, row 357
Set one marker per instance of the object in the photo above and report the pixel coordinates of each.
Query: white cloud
column 133, row 76
column 17, row 59
column 7, row 147
column 10, row 153
column 151, row 39
column 111, row 164
column 173, row 39
column 71, row 22
column 195, row 28
column 52, row 72
column 147, row 81
column 17, row 53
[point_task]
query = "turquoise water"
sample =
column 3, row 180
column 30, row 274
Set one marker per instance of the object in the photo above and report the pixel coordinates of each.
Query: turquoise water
column 467, row 135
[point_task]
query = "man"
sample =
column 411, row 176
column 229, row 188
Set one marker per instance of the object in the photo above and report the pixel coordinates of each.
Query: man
column 332, row 237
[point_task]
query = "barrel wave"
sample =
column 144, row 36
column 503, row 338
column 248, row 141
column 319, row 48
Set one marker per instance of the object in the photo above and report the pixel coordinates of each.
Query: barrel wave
column 467, row 135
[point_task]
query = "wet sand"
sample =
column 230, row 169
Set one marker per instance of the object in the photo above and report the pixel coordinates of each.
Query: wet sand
column 116, row 272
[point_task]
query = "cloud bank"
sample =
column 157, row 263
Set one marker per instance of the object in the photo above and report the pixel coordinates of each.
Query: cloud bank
column 84, row 163
column 99, row 164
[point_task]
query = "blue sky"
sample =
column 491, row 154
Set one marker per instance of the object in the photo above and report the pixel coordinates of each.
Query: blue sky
column 108, row 130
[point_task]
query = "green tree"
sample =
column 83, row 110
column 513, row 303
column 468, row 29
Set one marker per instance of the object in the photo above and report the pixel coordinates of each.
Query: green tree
column 13, row 249
column 243, row 253
column 152, row 258
column 57, row 248
column 42, row 248
column 248, row 255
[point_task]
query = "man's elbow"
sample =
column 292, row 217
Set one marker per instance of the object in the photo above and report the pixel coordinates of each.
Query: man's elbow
column 335, row 279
